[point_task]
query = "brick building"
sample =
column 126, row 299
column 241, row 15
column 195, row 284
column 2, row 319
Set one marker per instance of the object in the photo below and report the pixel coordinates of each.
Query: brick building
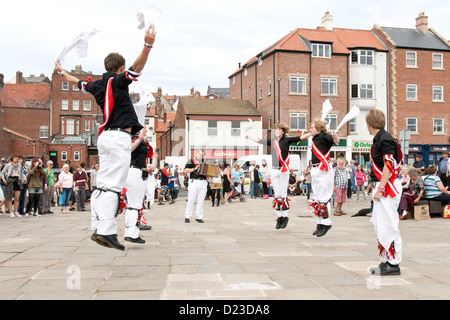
column 25, row 104
column 73, row 121
column 289, row 81
column 419, row 90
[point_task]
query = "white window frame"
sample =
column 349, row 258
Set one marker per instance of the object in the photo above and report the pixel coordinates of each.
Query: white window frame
column 235, row 128
column 436, row 92
column 331, row 84
column 353, row 125
column 439, row 61
column 363, row 55
column 365, row 89
column 332, row 118
column 76, row 156
column 321, row 50
column 65, row 86
column 435, row 126
column 87, row 125
column 76, row 105
column 212, row 131
column 63, row 155
column 65, row 104
column 43, row 132
column 411, row 89
column 411, row 126
column 87, row 105
column 70, row 126
column 245, row 72
column 295, row 119
column 409, row 59
column 77, row 126
column 269, row 87
column 63, row 126
column 260, row 91
column 75, row 88
column 299, row 87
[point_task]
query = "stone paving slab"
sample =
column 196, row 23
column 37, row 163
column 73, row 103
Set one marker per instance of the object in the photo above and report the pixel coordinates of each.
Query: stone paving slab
column 237, row 254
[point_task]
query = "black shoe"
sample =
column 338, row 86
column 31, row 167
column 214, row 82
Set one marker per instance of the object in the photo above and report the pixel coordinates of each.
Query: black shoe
column 200, row 220
column 135, row 240
column 144, row 227
column 386, row 269
column 187, row 220
column 278, row 225
column 317, row 229
column 323, row 230
column 94, row 238
column 284, row 222
column 111, row 240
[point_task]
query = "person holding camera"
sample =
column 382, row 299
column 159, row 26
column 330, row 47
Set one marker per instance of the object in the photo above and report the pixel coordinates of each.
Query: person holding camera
column 35, row 173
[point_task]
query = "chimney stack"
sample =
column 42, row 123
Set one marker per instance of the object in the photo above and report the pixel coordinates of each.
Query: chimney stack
column 327, row 21
column 422, row 22
column 19, row 77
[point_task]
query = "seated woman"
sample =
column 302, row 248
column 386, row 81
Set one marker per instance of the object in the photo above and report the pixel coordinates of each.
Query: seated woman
column 413, row 195
column 434, row 188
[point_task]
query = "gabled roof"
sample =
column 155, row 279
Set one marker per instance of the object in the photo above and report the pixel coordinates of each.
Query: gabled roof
column 232, row 107
column 342, row 41
column 416, row 39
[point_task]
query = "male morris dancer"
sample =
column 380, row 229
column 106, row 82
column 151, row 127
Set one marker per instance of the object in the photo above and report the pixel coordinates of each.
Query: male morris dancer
column 136, row 185
column 114, row 143
column 386, row 157
column 197, row 189
column 322, row 175
column 279, row 175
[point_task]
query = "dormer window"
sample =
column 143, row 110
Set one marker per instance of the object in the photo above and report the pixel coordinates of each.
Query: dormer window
column 320, row 50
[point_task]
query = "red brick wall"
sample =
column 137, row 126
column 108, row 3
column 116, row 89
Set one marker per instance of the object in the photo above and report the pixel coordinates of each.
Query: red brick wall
column 294, row 63
column 424, row 109
column 59, row 95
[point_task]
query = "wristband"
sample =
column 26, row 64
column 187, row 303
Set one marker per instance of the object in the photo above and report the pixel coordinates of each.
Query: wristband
column 61, row 73
column 147, row 47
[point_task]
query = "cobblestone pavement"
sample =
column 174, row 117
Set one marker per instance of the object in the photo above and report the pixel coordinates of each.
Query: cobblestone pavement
column 236, row 254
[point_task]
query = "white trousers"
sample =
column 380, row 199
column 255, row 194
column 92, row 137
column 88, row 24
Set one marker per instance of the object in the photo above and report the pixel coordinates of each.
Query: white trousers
column 150, row 189
column 322, row 183
column 196, row 193
column 114, row 150
column 135, row 186
column 385, row 220
column 280, row 183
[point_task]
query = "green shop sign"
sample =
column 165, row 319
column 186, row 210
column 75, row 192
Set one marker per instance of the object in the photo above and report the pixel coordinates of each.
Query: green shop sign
column 359, row 144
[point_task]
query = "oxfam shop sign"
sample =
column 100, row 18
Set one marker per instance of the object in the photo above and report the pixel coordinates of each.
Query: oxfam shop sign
column 362, row 144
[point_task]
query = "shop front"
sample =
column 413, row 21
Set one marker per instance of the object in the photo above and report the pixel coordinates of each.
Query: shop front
column 225, row 154
column 430, row 154
column 361, row 151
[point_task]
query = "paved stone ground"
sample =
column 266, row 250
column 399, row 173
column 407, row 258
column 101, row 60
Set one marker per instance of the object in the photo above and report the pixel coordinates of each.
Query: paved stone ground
column 235, row 254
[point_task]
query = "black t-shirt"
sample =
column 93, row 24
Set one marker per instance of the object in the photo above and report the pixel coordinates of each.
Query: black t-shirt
column 123, row 115
column 383, row 144
column 285, row 143
column 323, row 142
column 191, row 165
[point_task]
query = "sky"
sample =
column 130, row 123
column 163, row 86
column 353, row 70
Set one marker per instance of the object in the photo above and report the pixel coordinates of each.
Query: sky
column 199, row 43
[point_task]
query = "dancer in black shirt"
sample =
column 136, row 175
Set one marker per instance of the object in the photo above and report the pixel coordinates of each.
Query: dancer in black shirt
column 114, row 143
column 279, row 175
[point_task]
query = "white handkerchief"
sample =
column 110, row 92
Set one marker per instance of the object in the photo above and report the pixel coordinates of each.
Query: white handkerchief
column 147, row 15
column 78, row 47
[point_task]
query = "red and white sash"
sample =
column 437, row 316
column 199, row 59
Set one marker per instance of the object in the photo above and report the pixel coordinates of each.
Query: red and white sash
column 323, row 165
column 394, row 169
column 108, row 107
column 283, row 162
